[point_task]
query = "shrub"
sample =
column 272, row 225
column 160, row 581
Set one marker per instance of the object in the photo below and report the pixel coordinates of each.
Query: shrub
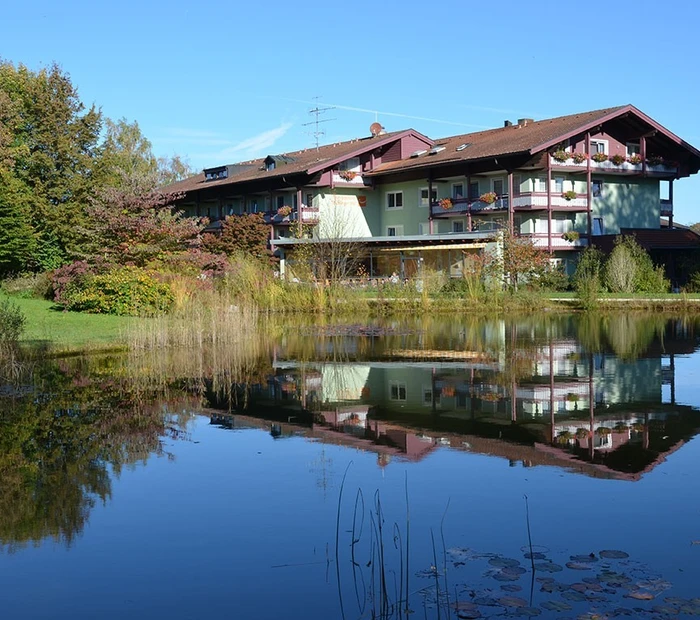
column 12, row 322
column 129, row 291
column 630, row 269
column 27, row 286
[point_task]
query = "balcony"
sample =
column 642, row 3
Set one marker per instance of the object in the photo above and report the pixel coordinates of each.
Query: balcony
column 464, row 206
column 309, row 215
column 661, row 169
column 540, row 240
column 538, row 201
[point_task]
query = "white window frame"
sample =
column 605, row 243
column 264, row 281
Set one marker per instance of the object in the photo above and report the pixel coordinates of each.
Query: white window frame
column 424, row 202
column 504, row 184
column 452, row 190
column 398, row 385
column 398, row 230
column 427, row 394
column 352, row 164
column 636, row 146
column 599, row 141
column 555, row 181
column 423, row 228
column 395, row 195
column 540, row 185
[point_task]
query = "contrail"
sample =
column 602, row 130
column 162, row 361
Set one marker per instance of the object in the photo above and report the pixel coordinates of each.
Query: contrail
column 378, row 112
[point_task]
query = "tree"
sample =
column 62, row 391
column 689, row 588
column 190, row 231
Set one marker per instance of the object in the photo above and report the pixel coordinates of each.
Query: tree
column 127, row 160
column 173, row 169
column 248, row 234
column 522, row 261
column 48, row 146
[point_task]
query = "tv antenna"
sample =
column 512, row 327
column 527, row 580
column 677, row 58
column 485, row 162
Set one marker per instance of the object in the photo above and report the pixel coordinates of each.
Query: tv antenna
column 317, row 112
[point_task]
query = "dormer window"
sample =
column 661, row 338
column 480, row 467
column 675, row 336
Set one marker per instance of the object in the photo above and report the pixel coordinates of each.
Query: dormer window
column 270, row 165
column 272, row 162
column 214, row 174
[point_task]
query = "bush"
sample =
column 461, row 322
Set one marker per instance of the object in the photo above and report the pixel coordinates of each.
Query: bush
column 629, row 269
column 12, row 322
column 129, row 291
column 28, row 286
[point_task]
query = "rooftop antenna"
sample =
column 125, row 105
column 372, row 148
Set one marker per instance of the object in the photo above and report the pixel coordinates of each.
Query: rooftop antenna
column 317, row 111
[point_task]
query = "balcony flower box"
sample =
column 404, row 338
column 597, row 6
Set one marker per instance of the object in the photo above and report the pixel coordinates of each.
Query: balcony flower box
column 347, row 175
column 488, row 198
column 445, row 203
column 571, row 236
column 561, row 156
column 655, row 160
column 635, row 159
column 599, row 157
column 570, row 195
column 618, row 160
column 579, row 158
column 284, row 211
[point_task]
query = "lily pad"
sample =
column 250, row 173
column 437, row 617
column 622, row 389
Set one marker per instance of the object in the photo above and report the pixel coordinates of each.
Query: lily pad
column 536, row 555
column 556, row 606
column 573, row 596
column 485, row 600
column 514, row 570
column 613, row 554
column 528, row 612
column 640, row 595
column 503, row 562
column 503, row 576
column 584, row 558
column 578, row 566
column 668, row 610
column 512, row 601
column 548, row 567
column 511, row 587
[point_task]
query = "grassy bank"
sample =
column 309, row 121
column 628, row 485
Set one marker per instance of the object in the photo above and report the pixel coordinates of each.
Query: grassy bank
column 65, row 332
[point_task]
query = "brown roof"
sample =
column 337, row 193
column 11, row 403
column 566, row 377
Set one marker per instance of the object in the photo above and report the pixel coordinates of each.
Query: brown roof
column 306, row 161
column 527, row 138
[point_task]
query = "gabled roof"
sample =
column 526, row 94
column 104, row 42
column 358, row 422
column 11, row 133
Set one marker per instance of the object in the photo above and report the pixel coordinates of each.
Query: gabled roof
column 529, row 138
column 307, row 161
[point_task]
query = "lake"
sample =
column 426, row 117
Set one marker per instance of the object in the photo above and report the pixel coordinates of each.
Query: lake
column 431, row 468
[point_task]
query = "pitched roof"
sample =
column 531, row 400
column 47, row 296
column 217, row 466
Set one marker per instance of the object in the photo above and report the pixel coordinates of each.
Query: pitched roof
column 526, row 138
column 307, row 161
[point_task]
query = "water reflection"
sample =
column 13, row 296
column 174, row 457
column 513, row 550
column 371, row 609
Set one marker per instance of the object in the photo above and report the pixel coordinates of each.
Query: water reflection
column 596, row 396
column 67, row 428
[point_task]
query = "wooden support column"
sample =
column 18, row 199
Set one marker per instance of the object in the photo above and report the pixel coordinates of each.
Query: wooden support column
column 510, row 202
column 670, row 199
column 589, row 191
column 430, row 202
column 469, row 204
column 591, row 408
column 299, row 211
column 549, row 203
column 643, row 154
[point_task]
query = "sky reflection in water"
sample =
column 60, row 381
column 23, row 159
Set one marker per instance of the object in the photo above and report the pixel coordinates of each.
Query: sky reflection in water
column 155, row 505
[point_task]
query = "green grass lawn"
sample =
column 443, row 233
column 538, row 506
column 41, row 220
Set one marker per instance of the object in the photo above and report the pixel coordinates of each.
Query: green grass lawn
column 70, row 331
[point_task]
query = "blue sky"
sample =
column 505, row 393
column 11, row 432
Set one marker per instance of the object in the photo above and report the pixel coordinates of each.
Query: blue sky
column 223, row 82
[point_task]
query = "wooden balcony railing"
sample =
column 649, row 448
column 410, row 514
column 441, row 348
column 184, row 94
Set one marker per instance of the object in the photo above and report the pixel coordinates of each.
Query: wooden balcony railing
column 464, row 206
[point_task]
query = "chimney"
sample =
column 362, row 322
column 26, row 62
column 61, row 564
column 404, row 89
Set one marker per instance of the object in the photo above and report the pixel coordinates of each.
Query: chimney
column 523, row 122
column 507, row 123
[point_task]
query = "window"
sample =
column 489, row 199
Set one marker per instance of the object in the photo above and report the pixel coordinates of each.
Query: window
column 558, row 187
column 457, row 227
column 560, row 223
column 474, row 190
column 295, row 204
column 596, row 188
column 540, row 184
column 309, row 200
column 517, row 223
column 280, row 202
column 428, row 397
column 424, row 228
column 517, row 182
column 394, row 231
column 458, row 190
column 598, row 228
column 633, row 148
column 424, row 196
column 394, row 200
column 397, row 390
column 599, row 146
column 497, row 185
column 350, row 164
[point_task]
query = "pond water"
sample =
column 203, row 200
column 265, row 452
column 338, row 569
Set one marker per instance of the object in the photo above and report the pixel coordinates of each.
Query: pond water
column 459, row 467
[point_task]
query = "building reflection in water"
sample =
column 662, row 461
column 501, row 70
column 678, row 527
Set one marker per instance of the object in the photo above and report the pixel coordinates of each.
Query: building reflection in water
column 532, row 399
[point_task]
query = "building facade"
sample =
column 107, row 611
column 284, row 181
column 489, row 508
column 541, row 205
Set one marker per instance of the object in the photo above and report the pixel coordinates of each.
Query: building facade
column 411, row 200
